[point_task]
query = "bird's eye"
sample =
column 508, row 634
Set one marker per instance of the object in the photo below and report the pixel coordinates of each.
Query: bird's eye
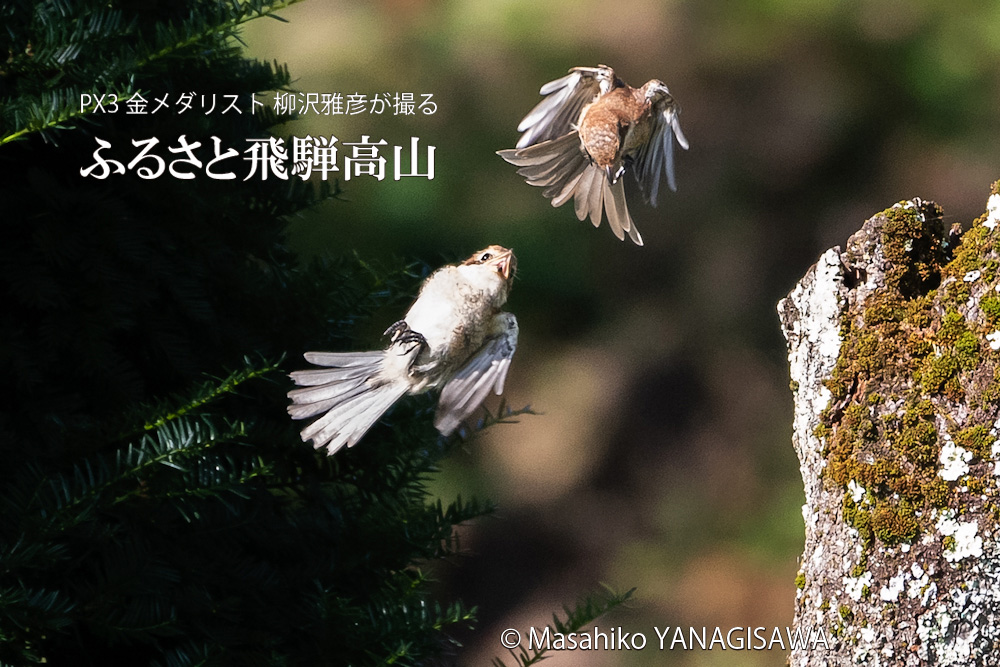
column 485, row 257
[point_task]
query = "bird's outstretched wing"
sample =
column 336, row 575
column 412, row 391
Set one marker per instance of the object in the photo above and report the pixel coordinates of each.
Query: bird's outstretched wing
column 564, row 169
column 485, row 371
column 565, row 98
column 656, row 156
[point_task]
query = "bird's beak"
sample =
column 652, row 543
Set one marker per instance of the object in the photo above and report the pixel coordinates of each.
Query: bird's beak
column 658, row 89
column 504, row 263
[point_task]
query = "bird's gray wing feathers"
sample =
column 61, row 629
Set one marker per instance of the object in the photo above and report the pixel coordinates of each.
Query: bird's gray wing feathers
column 656, row 156
column 565, row 98
column 485, row 371
column 351, row 391
column 555, row 165
column 564, row 169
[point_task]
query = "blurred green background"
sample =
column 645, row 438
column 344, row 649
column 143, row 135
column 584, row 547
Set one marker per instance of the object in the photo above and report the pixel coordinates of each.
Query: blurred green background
column 662, row 459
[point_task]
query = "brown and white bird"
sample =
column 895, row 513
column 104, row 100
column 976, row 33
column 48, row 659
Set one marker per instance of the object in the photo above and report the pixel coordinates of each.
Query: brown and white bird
column 454, row 337
column 590, row 130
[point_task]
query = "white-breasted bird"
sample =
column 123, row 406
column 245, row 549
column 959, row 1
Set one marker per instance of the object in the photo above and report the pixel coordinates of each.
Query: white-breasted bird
column 454, row 337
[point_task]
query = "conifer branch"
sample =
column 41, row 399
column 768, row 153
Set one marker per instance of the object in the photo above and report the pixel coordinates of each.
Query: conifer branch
column 242, row 13
column 58, row 107
column 226, row 386
column 55, row 108
column 504, row 414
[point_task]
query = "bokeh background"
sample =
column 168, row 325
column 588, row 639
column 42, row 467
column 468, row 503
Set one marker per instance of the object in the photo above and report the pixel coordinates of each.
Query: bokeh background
column 662, row 457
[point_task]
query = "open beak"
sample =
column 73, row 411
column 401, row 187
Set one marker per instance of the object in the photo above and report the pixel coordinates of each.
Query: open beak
column 505, row 263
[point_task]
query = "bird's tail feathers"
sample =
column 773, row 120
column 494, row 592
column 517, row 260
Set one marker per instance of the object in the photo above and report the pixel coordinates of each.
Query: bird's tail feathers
column 351, row 391
column 590, row 196
column 617, row 210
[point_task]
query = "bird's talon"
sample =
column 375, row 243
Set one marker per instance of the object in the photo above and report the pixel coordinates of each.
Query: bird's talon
column 395, row 328
column 412, row 337
column 400, row 332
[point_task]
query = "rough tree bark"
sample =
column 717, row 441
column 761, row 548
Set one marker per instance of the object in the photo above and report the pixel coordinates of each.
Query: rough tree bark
column 893, row 347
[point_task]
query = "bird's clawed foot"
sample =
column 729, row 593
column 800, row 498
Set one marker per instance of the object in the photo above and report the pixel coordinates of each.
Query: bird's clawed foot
column 400, row 332
column 614, row 175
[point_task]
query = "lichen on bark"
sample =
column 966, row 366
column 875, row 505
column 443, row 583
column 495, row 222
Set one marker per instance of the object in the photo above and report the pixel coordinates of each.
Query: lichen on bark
column 893, row 348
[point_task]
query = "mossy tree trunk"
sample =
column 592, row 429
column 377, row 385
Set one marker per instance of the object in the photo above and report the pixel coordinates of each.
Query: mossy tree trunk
column 893, row 347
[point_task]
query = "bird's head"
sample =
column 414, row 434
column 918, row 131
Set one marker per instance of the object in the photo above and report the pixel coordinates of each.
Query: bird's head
column 656, row 91
column 498, row 258
column 607, row 79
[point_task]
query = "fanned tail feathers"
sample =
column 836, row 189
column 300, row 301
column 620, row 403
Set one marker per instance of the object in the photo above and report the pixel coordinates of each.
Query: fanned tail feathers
column 350, row 390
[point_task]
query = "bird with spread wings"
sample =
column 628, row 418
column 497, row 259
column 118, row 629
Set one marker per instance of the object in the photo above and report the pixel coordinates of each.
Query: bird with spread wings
column 590, row 130
column 455, row 337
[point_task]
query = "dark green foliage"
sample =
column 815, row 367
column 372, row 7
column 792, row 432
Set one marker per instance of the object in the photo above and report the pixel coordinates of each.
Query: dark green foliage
column 221, row 539
column 149, row 515
column 126, row 284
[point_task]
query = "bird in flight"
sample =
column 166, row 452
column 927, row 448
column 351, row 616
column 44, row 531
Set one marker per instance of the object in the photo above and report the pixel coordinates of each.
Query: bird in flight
column 454, row 337
column 590, row 130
